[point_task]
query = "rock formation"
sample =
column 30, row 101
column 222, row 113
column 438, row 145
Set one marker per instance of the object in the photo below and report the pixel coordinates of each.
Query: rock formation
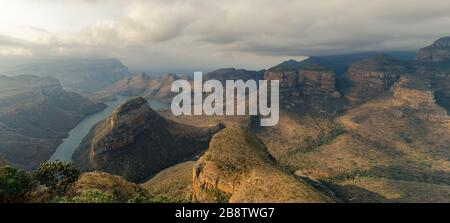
column 35, row 115
column 439, row 51
column 136, row 142
column 233, row 74
column 306, row 87
column 237, row 168
column 370, row 78
column 77, row 75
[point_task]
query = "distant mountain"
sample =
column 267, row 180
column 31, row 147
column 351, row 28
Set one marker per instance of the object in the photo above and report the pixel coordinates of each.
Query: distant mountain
column 439, row 51
column 233, row 74
column 78, row 75
column 158, row 88
column 36, row 113
column 340, row 63
column 136, row 142
column 371, row 77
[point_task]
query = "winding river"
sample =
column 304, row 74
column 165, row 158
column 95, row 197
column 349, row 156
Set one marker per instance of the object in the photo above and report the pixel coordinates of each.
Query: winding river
column 70, row 144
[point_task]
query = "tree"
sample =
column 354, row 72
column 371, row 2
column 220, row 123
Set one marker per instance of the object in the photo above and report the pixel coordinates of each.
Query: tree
column 14, row 184
column 57, row 176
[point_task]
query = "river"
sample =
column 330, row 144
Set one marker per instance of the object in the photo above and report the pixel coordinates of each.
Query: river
column 70, row 144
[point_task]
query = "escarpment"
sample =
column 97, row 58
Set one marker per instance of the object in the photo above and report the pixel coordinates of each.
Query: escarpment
column 370, row 78
column 237, row 168
column 310, row 87
column 136, row 142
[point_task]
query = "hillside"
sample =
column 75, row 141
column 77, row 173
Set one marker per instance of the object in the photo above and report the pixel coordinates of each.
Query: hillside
column 77, row 75
column 237, row 168
column 136, row 142
column 35, row 115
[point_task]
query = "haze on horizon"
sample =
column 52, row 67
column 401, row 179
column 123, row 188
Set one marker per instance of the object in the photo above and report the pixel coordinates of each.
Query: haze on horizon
column 180, row 34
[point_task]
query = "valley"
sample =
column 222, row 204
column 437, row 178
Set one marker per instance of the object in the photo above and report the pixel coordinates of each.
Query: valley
column 352, row 128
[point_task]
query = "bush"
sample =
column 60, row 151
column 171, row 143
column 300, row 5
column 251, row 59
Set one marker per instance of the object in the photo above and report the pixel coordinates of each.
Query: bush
column 90, row 196
column 57, row 176
column 14, row 185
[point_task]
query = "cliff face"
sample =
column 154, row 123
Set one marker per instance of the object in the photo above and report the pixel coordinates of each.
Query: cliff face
column 35, row 114
column 370, row 78
column 136, row 142
column 307, row 87
column 437, row 52
column 237, row 168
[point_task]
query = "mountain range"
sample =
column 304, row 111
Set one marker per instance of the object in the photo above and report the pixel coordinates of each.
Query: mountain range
column 370, row 127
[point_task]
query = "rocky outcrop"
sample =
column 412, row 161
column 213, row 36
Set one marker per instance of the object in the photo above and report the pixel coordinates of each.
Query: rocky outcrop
column 237, row 168
column 136, row 142
column 439, row 51
column 370, row 78
column 35, row 115
column 306, row 87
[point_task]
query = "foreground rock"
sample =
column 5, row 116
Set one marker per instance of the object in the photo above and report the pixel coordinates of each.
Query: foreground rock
column 136, row 142
column 237, row 168
column 116, row 186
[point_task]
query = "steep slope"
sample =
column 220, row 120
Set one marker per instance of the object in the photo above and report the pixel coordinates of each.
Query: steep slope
column 35, row 114
column 434, row 64
column 142, row 84
column 136, row 142
column 237, row 168
column 402, row 139
column 308, row 88
column 173, row 183
column 439, row 51
column 371, row 77
column 234, row 74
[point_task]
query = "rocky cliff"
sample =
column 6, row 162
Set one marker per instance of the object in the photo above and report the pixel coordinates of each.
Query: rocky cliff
column 233, row 74
column 136, row 142
column 237, row 168
column 437, row 52
column 372, row 77
column 77, row 75
column 35, row 115
column 144, row 85
column 434, row 64
column 306, row 87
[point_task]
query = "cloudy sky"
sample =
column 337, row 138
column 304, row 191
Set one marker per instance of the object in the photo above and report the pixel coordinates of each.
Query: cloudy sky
column 203, row 34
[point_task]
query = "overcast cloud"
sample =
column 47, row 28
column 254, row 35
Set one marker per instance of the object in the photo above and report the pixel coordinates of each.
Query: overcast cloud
column 203, row 34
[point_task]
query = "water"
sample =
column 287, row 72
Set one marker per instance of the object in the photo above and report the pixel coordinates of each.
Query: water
column 70, row 144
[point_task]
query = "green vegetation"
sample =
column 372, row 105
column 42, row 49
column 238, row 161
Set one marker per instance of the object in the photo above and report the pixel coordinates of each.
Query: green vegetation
column 90, row 196
column 57, row 176
column 219, row 196
column 327, row 137
column 14, row 184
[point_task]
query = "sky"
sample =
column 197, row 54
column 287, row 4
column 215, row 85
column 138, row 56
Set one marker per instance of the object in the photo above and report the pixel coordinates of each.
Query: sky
column 203, row 34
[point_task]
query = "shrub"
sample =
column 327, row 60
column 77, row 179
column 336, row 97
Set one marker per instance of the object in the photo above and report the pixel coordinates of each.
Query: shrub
column 14, row 184
column 89, row 196
column 57, row 176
